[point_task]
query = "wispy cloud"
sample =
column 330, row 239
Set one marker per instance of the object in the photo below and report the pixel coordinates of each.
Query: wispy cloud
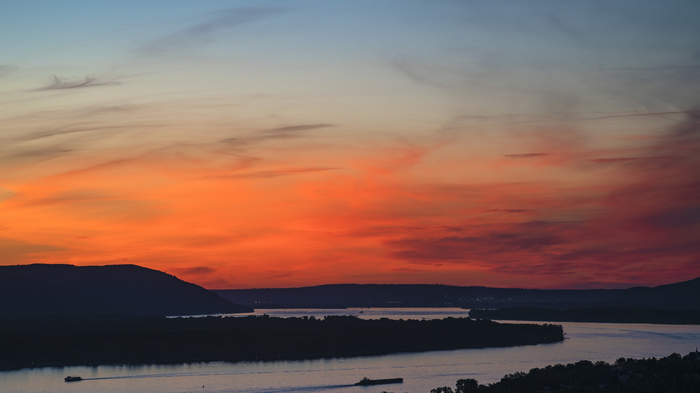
column 7, row 69
column 273, row 173
column 203, row 33
column 73, row 129
column 32, row 155
column 287, row 132
column 512, row 211
column 409, row 270
column 537, row 148
column 526, row 155
column 62, row 83
column 17, row 251
column 642, row 114
column 471, row 249
column 626, row 159
column 640, row 227
column 302, row 127
column 194, row 271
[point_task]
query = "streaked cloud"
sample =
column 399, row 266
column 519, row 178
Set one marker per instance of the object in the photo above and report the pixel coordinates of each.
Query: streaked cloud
column 512, row 211
column 303, row 127
column 625, row 159
column 284, row 145
column 202, row 33
column 274, row 173
column 194, row 271
column 62, row 83
column 20, row 252
column 526, row 155
column 7, row 69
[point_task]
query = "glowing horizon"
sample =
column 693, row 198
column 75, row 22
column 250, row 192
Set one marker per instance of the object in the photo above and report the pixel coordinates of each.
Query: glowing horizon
column 283, row 144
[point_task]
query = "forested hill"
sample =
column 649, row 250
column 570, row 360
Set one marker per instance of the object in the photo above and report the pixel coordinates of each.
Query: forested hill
column 682, row 295
column 42, row 290
column 407, row 295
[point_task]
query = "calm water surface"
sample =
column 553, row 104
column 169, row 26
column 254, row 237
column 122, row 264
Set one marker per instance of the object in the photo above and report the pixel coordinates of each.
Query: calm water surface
column 421, row 371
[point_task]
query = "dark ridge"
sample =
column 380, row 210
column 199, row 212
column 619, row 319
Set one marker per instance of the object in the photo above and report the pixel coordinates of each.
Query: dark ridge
column 409, row 295
column 43, row 290
column 677, row 303
column 680, row 295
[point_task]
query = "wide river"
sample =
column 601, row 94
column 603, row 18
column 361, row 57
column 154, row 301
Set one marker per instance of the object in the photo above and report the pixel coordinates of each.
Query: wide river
column 420, row 371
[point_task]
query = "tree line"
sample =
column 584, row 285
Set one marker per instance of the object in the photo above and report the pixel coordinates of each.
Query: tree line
column 672, row 374
column 125, row 340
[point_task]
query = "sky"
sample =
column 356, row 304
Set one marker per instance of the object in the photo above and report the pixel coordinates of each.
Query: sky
column 252, row 144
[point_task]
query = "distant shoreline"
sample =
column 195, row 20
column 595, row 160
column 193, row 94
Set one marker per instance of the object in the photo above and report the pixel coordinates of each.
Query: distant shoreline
column 601, row 314
column 159, row 340
column 592, row 314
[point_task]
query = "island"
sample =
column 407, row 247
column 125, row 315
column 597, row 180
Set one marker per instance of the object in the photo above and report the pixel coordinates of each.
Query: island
column 142, row 340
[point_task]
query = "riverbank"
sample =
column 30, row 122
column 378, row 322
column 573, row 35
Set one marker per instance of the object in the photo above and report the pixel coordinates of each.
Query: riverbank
column 154, row 340
column 672, row 374
column 592, row 314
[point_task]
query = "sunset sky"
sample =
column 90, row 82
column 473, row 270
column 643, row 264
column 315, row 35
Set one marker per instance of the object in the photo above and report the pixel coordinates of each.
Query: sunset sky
column 243, row 144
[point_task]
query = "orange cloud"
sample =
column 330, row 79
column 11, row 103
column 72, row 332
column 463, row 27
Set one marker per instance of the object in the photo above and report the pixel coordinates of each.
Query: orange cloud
column 264, row 214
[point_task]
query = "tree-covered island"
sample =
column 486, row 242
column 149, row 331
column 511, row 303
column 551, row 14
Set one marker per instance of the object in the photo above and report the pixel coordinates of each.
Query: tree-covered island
column 139, row 340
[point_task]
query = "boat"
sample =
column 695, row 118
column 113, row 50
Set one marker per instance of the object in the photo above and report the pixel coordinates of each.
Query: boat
column 366, row 381
column 72, row 379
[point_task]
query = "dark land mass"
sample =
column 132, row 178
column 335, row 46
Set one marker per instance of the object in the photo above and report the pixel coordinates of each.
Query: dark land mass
column 682, row 295
column 671, row 374
column 43, row 290
column 410, row 295
column 613, row 314
column 140, row 340
column 677, row 303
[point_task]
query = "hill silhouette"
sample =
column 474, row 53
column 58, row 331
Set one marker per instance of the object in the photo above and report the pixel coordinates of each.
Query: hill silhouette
column 410, row 295
column 682, row 295
column 41, row 290
column 677, row 303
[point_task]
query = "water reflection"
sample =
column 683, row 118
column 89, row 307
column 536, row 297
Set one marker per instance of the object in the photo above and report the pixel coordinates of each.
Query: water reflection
column 364, row 313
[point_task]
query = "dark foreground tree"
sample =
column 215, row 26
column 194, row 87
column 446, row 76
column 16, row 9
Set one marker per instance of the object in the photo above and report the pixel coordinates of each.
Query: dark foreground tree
column 468, row 385
column 444, row 389
column 672, row 374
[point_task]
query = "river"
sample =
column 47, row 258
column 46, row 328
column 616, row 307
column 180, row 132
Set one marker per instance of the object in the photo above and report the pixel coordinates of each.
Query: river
column 420, row 371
